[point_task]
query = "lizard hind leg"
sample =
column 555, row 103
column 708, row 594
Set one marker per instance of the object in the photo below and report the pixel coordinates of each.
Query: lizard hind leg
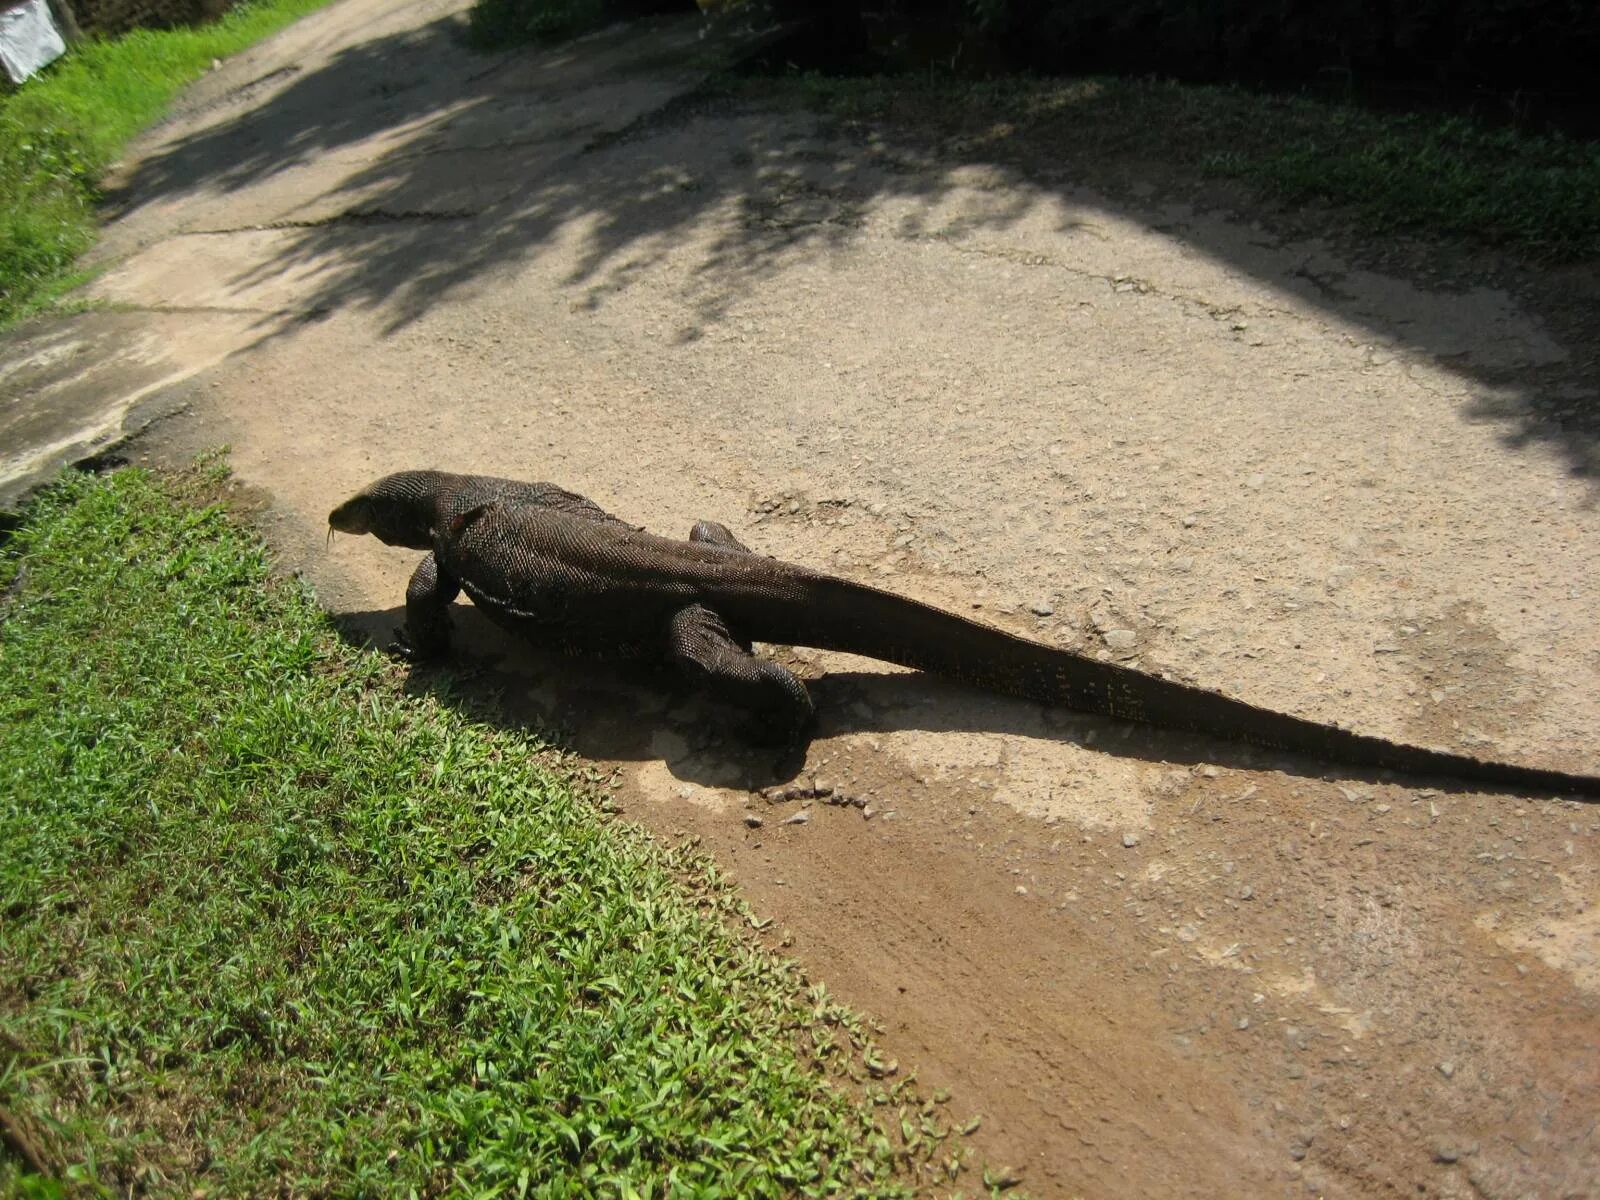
column 714, row 533
column 777, row 702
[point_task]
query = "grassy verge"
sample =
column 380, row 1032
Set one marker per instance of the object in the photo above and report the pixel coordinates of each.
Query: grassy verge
column 270, row 926
column 1424, row 174
column 60, row 131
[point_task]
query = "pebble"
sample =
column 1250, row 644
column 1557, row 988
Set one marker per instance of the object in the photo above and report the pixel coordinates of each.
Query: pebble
column 798, row 791
column 1041, row 608
column 1247, row 893
column 753, row 821
column 1120, row 639
column 1448, row 1149
column 1130, row 840
column 799, row 818
column 1447, row 1069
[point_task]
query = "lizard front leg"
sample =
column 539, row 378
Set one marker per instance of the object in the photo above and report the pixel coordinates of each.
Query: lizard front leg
column 703, row 648
column 428, row 625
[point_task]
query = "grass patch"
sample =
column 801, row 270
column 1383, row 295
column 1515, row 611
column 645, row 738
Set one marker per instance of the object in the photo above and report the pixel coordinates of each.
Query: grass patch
column 268, row 925
column 60, row 131
column 1443, row 177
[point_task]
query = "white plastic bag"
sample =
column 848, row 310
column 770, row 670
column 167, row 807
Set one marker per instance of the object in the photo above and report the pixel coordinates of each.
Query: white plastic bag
column 28, row 39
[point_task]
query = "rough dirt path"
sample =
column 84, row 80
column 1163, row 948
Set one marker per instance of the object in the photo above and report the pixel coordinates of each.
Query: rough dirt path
column 1156, row 969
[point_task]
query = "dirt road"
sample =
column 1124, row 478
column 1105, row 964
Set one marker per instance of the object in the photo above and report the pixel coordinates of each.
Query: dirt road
column 1173, row 436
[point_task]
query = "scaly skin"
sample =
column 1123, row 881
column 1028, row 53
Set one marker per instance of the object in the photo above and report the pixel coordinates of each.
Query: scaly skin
column 552, row 567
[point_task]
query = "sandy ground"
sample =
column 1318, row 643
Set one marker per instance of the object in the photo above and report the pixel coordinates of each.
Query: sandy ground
column 1308, row 473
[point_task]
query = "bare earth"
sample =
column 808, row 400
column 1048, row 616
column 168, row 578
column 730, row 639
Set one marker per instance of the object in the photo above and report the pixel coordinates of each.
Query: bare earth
column 1114, row 419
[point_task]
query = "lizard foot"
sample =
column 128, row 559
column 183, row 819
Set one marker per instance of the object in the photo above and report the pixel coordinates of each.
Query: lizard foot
column 403, row 647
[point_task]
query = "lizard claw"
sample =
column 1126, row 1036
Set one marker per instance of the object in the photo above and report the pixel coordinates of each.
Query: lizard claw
column 401, row 646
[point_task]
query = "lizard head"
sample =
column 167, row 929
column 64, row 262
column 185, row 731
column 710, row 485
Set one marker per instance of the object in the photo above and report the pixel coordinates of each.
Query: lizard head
column 398, row 510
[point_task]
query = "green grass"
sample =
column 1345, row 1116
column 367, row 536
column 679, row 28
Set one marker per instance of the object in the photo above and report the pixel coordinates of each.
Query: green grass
column 269, row 925
column 60, row 131
column 1427, row 175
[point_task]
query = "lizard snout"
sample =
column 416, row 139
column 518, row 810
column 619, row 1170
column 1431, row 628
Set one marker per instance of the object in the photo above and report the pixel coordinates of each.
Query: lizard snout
column 353, row 516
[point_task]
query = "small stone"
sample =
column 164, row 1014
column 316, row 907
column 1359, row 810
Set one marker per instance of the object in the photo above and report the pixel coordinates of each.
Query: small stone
column 1447, row 1069
column 1242, row 1023
column 1247, row 892
column 1448, row 1148
column 1188, row 522
column 1130, row 840
column 753, row 821
column 1021, row 891
column 799, row 818
column 868, row 812
column 1120, row 639
column 1041, row 608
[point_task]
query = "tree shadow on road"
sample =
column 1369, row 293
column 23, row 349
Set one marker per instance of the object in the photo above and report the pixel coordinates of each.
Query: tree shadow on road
column 463, row 168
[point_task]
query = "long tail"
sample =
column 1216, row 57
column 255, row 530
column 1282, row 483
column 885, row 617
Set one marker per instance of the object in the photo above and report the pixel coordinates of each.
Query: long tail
column 839, row 615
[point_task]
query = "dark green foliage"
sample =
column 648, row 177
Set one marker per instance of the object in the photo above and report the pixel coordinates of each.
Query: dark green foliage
column 500, row 23
column 1545, row 45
